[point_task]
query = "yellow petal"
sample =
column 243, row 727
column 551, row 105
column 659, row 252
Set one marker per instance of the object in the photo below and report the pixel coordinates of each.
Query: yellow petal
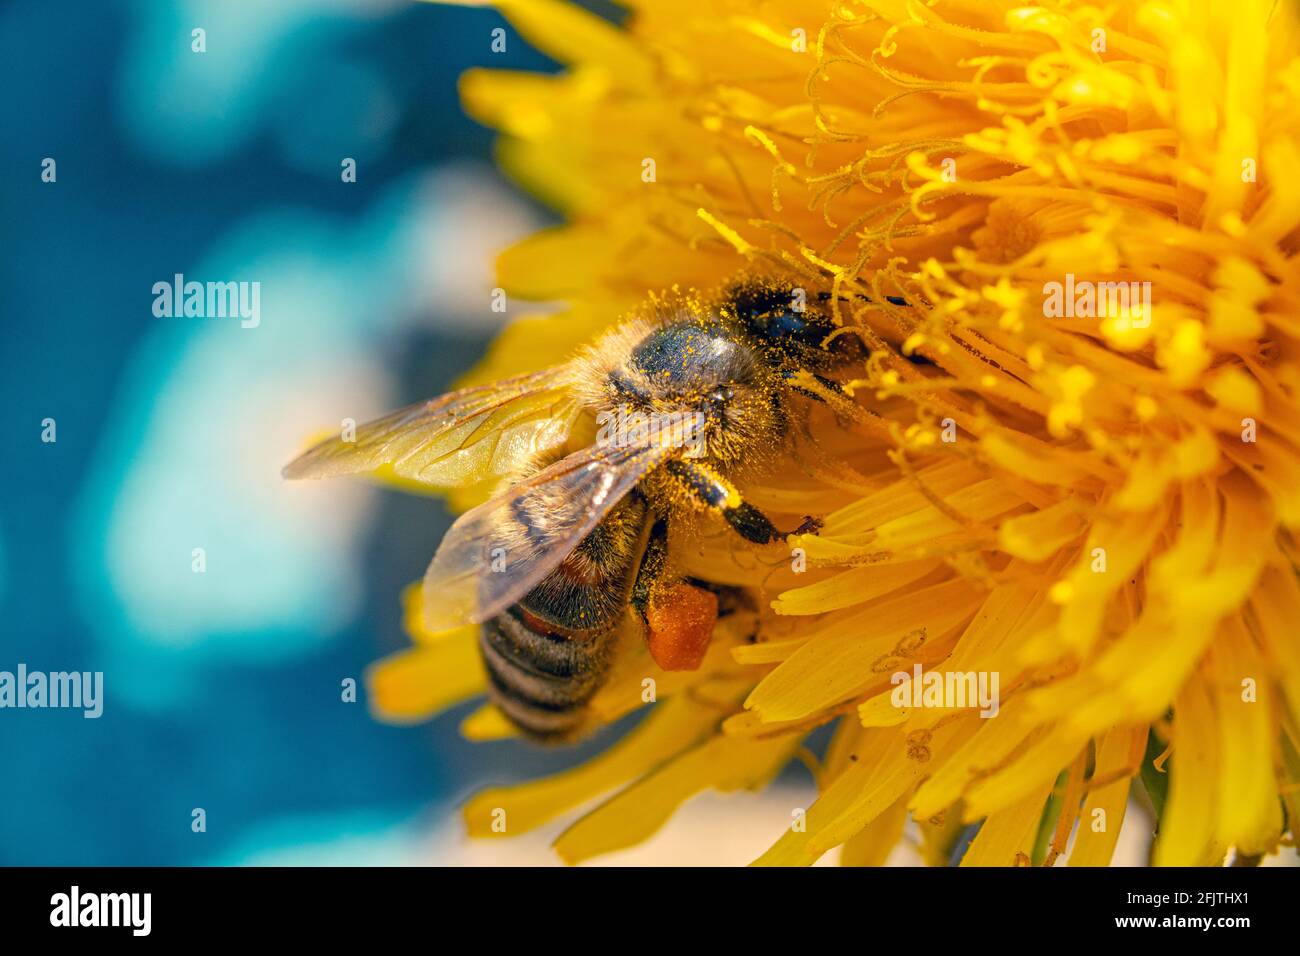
column 835, row 665
column 415, row 684
column 855, row 586
column 1275, row 604
column 487, row 723
column 886, row 768
column 1007, row 837
column 1187, row 830
column 991, row 743
column 1118, row 753
column 529, row 270
column 873, row 845
column 1115, row 549
column 1040, row 534
column 721, row 763
column 670, row 728
column 1008, row 615
column 1250, row 814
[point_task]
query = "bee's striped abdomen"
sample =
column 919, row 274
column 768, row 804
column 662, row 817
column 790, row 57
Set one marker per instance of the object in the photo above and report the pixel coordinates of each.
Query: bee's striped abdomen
column 549, row 653
column 541, row 681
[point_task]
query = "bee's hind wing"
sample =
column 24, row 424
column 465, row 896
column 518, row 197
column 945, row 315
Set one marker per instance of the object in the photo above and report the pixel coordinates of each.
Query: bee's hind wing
column 496, row 553
column 457, row 439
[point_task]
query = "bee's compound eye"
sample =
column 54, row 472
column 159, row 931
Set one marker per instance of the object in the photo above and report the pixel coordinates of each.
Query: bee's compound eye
column 721, row 395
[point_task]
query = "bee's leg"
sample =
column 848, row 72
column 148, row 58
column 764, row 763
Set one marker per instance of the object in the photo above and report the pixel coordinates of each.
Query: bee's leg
column 678, row 615
column 893, row 299
column 654, row 563
column 720, row 495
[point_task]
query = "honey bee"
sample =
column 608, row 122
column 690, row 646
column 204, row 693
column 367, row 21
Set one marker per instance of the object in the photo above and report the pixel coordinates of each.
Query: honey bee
column 686, row 400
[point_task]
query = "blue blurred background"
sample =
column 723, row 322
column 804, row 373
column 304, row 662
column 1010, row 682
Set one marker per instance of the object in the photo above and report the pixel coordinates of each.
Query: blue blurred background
column 223, row 689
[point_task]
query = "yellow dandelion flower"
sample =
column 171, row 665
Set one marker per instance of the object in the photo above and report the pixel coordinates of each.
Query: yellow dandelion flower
column 1069, row 235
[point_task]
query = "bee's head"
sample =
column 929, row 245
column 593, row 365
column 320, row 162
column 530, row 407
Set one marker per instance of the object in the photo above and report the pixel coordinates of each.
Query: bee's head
column 789, row 325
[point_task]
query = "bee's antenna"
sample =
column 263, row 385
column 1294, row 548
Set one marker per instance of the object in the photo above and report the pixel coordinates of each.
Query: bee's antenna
column 891, row 299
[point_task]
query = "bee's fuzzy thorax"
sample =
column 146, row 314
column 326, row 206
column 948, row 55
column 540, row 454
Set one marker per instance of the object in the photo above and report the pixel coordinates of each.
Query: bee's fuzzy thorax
column 685, row 355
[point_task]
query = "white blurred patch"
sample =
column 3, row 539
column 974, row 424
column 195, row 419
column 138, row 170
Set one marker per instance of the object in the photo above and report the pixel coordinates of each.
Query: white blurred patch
column 337, row 839
column 207, row 477
column 210, row 412
column 458, row 248
column 190, row 107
